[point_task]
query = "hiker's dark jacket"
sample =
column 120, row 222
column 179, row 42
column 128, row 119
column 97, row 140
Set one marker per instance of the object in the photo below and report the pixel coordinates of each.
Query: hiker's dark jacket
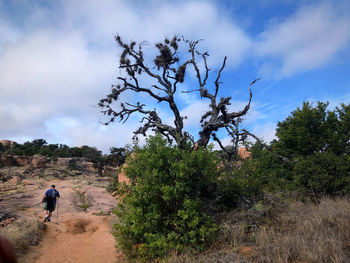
column 50, row 198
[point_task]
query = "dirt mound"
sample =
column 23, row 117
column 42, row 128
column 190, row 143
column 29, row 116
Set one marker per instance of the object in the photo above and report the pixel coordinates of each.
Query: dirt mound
column 79, row 226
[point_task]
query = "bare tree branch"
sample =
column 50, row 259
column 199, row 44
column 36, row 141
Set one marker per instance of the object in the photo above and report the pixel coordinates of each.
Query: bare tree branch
column 164, row 76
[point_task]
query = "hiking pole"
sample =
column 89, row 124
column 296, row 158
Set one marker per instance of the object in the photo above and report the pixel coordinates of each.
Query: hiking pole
column 58, row 203
column 38, row 204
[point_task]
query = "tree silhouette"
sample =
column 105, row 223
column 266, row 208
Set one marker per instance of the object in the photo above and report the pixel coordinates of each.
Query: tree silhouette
column 165, row 73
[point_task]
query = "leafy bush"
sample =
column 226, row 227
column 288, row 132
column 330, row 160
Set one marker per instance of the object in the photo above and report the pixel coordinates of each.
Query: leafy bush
column 323, row 173
column 265, row 172
column 310, row 154
column 162, row 208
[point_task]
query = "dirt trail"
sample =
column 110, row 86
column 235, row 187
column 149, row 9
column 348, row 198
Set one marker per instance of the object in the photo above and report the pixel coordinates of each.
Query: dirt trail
column 78, row 236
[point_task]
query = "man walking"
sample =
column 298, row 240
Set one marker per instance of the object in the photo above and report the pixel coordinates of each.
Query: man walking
column 50, row 202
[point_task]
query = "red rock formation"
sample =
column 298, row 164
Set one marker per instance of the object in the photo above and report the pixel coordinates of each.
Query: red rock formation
column 122, row 178
column 22, row 160
column 244, row 153
column 39, row 162
column 65, row 162
column 7, row 143
column 88, row 166
column 6, row 160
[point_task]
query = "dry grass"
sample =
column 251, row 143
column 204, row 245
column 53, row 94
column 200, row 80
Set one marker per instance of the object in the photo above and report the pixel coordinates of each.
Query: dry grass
column 8, row 188
column 237, row 233
column 276, row 232
column 23, row 234
column 308, row 233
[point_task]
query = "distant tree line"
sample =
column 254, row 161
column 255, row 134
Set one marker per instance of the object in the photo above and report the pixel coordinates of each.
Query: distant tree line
column 41, row 147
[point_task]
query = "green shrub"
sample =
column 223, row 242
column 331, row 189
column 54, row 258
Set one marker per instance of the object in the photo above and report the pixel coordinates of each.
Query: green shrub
column 162, row 209
column 323, row 173
column 263, row 173
column 310, row 154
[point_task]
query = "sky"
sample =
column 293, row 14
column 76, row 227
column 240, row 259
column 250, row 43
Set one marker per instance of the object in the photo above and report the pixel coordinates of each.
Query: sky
column 59, row 58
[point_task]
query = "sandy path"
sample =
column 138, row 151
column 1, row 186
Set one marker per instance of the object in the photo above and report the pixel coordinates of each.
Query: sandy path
column 78, row 236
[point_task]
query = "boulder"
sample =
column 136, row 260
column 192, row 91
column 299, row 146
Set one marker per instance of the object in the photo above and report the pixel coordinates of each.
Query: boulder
column 22, row 160
column 65, row 162
column 88, row 166
column 122, row 178
column 110, row 170
column 243, row 153
column 7, row 143
column 81, row 159
column 6, row 160
column 15, row 180
column 39, row 162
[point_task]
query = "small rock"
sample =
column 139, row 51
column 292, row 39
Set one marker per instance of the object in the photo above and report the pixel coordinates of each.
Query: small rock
column 15, row 180
column 8, row 221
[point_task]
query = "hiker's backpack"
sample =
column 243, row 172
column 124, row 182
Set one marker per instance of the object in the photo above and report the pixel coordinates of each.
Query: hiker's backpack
column 51, row 194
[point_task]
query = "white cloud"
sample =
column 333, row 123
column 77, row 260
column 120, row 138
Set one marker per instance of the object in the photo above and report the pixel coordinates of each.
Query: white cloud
column 265, row 131
column 194, row 19
column 194, row 112
column 64, row 60
column 49, row 74
column 98, row 136
column 226, row 141
column 58, row 61
column 306, row 40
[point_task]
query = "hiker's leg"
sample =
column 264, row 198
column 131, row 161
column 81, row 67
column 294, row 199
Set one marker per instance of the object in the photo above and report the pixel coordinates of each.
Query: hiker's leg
column 46, row 215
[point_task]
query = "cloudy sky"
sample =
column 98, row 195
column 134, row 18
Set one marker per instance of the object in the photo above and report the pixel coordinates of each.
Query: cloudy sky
column 58, row 58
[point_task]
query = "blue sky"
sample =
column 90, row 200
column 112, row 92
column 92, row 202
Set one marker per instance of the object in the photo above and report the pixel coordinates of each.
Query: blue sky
column 58, row 58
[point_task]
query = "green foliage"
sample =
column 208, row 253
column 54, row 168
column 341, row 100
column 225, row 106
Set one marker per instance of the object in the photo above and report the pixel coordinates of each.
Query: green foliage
column 162, row 208
column 323, row 173
column 40, row 147
column 117, row 156
column 317, row 143
column 311, row 153
column 90, row 153
column 305, row 132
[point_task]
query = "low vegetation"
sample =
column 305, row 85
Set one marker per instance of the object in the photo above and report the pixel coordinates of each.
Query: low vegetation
column 84, row 204
column 290, row 232
column 307, row 232
column 23, row 234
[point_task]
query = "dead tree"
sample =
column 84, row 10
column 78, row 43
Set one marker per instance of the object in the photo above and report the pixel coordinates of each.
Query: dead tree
column 165, row 73
column 238, row 137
